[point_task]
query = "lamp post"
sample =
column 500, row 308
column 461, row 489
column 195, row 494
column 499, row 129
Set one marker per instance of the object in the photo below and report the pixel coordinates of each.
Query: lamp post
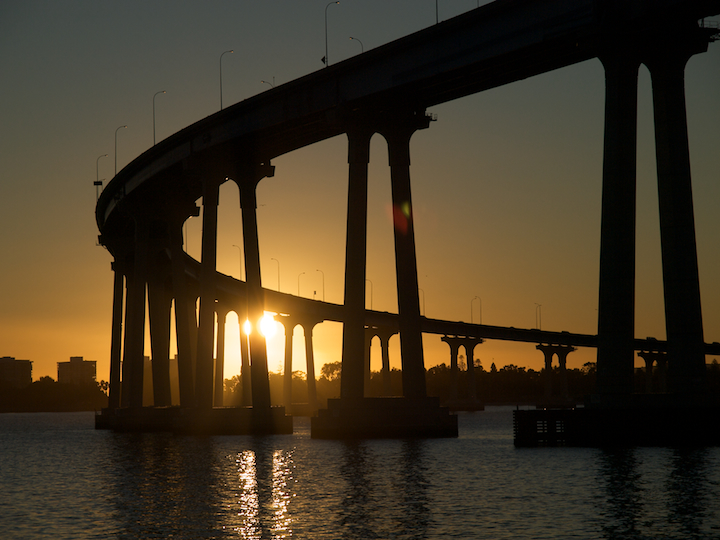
column 272, row 84
column 97, row 167
column 362, row 48
column 423, row 299
column 323, row 283
column 471, row 309
column 156, row 93
column 98, row 185
column 116, row 132
column 371, row 292
column 239, row 260
column 300, row 274
column 230, row 51
column 538, row 316
column 325, row 58
column 278, row 272
column 436, row 12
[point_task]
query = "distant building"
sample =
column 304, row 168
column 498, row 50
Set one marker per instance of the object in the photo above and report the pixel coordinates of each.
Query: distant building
column 77, row 371
column 15, row 373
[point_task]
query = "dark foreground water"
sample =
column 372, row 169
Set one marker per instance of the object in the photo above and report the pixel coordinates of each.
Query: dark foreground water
column 59, row 478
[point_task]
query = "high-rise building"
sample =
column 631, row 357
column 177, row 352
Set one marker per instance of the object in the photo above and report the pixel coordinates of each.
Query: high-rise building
column 15, row 373
column 77, row 371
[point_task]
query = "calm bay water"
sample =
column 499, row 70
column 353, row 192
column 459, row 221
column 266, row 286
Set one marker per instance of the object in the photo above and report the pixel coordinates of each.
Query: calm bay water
column 61, row 479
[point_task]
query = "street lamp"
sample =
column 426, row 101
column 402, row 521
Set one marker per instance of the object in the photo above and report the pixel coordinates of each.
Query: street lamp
column 272, row 84
column 300, row 274
column 325, row 58
column 423, row 299
column 538, row 316
column 116, row 131
column 98, row 185
column 323, row 283
column 278, row 272
column 371, row 292
column 230, row 51
column 239, row 260
column 156, row 93
column 362, row 48
column 97, row 170
column 471, row 309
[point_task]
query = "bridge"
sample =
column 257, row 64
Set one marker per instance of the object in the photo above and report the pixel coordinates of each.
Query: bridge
column 387, row 90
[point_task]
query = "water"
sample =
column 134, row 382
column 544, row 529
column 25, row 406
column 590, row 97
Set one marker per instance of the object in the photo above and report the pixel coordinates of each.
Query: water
column 61, row 479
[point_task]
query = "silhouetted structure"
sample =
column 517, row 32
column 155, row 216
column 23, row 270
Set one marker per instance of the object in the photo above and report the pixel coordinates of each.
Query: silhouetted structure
column 562, row 398
column 15, row 373
column 470, row 401
column 77, row 371
column 387, row 91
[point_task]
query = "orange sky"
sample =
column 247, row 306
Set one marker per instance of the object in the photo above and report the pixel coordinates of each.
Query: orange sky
column 506, row 184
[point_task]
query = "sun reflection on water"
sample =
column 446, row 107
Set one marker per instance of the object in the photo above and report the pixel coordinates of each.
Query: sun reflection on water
column 281, row 494
column 248, row 499
column 256, row 507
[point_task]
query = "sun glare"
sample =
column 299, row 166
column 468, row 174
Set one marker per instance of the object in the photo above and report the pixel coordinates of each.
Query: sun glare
column 267, row 326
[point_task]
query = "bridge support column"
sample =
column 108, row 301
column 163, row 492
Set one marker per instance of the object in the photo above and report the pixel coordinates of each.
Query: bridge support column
column 308, row 323
column 616, row 304
column 354, row 415
column 116, row 335
column 247, row 182
column 289, row 325
column 549, row 352
column 385, row 349
column 310, row 365
column 366, row 361
column 133, row 357
column 562, row 352
column 185, row 320
column 159, row 303
column 683, row 313
column 245, row 372
column 454, row 370
column 383, row 334
column 562, row 361
column 219, row 379
column 470, row 402
column 353, row 352
column 651, row 357
column 470, row 353
column 206, row 324
column 398, row 139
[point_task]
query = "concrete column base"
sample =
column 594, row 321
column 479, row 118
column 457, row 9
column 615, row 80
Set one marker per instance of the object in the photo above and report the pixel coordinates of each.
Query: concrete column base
column 383, row 418
column 216, row 421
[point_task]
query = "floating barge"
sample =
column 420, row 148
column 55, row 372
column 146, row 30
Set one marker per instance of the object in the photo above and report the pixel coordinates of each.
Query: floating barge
column 653, row 423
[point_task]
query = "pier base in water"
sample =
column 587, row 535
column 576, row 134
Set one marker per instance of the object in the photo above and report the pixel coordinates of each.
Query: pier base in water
column 383, row 418
column 216, row 421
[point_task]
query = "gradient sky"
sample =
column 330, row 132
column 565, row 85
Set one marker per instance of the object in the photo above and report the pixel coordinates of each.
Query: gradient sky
column 506, row 184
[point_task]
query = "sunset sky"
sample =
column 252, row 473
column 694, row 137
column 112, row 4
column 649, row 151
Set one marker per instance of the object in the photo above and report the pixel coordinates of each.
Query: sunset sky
column 506, row 183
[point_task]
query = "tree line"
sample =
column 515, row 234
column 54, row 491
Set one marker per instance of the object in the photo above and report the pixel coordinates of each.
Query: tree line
column 48, row 395
column 510, row 384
